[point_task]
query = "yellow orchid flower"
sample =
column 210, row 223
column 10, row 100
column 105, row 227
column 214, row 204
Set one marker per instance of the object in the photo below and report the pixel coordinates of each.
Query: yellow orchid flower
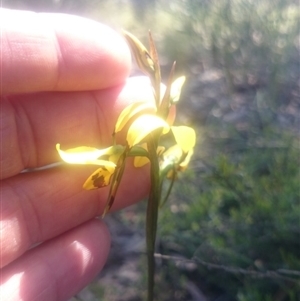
column 150, row 128
column 90, row 156
column 150, row 139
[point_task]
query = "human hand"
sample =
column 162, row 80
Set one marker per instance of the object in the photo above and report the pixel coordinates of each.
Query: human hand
column 63, row 79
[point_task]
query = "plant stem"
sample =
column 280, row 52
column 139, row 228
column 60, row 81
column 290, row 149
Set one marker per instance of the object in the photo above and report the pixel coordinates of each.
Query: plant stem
column 152, row 213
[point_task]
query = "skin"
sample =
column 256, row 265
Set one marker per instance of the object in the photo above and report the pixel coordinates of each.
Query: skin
column 63, row 80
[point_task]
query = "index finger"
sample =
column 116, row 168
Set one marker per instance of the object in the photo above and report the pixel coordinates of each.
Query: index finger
column 57, row 52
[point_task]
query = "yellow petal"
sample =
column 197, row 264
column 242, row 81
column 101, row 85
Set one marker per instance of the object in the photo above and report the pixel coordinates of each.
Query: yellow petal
column 140, row 161
column 141, row 54
column 90, row 155
column 183, row 165
column 176, row 158
column 185, row 137
column 131, row 110
column 100, row 178
column 172, row 155
column 143, row 126
column 176, row 89
column 81, row 154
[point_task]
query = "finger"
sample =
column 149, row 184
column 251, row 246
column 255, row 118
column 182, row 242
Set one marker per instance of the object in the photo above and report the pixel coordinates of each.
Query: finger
column 56, row 52
column 40, row 205
column 32, row 124
column 58, row 269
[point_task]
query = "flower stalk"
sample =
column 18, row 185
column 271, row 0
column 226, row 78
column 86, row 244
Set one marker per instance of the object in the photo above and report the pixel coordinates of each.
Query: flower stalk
column 152, row 215
column 147, row 127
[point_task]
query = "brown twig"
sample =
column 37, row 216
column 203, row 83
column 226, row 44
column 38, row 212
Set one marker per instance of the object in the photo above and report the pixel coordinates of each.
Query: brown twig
column 256, row 274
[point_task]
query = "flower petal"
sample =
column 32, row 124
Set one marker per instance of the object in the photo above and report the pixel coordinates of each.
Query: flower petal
column 143, row 126
column 131, row 110
column 100, row 178
column 176, row 89
column 185, row 137
column 141, row 54
column 139, row 161
column 89, row 155
column 183, row 165
column 81, row 154
column 172, row 156
column 175, row 160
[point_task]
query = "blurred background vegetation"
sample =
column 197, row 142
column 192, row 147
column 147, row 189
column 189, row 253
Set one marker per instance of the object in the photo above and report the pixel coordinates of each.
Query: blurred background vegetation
column 234, row 219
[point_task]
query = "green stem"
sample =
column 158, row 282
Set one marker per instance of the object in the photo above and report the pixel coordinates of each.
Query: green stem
column 169, row 188
column 152, row 214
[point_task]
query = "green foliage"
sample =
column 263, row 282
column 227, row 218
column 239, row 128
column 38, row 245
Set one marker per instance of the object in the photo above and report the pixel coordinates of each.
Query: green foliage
column 246, row 38
column 240, row 211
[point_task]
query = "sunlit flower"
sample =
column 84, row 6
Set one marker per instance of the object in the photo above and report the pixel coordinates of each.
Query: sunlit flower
column 150, row 138
column 91, row 156
column 142, row 120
